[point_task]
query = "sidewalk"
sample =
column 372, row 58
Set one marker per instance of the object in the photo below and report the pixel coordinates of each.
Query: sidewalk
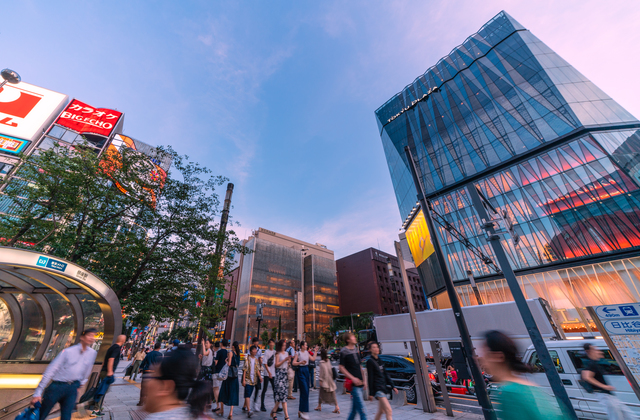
column 120, row 404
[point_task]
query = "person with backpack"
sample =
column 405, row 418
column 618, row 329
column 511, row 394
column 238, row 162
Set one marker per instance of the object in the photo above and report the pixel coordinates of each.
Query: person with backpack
column 268, row 370
column 328, row 376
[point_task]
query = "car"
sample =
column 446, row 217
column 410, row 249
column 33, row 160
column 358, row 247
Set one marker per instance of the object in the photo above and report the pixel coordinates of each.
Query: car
column 402, row 372
column 569, row 358
column 334, row 354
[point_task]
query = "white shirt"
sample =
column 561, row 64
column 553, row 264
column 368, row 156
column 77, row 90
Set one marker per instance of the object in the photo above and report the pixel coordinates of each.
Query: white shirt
column 265, row 359
column 303, row 356
column 72, row 364
column 280, row 357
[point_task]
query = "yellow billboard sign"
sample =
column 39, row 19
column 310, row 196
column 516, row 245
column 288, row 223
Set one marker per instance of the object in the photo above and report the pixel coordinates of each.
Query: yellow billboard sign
column 419, row 239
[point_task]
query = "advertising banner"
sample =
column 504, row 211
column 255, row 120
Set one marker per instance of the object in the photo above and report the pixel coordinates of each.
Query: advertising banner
column 83, row 118
column 26, row 110
column 419, row 239
column 12, row 145
column 620, row 327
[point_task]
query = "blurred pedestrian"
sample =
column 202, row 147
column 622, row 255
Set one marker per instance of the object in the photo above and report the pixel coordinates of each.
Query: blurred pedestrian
column 312, row 368
column 517, row 397
column 268, row 370
column 291, row 373
column 452, row 375
column 328, row 387
column 350, row 368
column 173, row 394
column 302, row 360
column 67, row 372
column 379, row 381
column 280, row 384
column 221, row 360
column 250, row 377
column 107, row 374
column 206, row 366
column 229, row 391
column 148, row 366
column 593, row 374
column 176, row 343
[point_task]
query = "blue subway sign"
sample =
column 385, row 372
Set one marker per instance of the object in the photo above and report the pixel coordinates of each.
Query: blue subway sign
column 51, row 263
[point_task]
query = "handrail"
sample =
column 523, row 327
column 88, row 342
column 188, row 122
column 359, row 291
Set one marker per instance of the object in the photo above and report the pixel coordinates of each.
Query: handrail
column 4, row 411
column 596, row 401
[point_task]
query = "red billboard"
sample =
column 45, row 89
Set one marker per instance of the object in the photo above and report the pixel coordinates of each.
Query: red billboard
column 83, row 118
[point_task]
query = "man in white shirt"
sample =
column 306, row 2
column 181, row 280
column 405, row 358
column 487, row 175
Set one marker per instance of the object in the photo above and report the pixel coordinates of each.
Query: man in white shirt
column 68, row 371
column 268, row 371
column 255, row 342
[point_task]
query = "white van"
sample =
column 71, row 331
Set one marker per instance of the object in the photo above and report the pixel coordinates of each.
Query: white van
column 568, row 356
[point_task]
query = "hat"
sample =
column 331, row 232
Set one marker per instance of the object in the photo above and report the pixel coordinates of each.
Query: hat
column 176, row 342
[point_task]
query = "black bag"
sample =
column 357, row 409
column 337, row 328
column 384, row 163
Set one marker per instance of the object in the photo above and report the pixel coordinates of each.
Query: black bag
column 233, row 372
column 271, row 360
column 129, row 370
column 88, row 394
column 334, row 372
column 586, row 385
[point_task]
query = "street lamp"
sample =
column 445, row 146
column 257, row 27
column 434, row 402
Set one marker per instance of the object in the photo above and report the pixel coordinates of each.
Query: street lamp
column 9, row 76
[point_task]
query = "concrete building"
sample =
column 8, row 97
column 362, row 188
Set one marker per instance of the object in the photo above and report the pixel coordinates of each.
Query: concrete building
column 295, row 280
column 364, row 284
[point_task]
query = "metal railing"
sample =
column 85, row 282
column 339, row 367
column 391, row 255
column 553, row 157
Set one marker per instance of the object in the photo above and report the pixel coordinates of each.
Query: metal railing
column 15, row 407
column 584, row 410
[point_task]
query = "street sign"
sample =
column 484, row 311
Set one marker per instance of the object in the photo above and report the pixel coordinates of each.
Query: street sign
column 618, row 311
column 620, row 328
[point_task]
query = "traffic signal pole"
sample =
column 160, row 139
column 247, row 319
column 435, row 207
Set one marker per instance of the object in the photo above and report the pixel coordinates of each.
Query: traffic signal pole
column 525, row 312
column 469, row 351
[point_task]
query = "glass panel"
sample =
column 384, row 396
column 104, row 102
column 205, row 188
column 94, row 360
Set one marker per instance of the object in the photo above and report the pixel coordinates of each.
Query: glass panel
column 536, row 365
column 608, row 363
column 63, row 328
column 6, row 325
column 93, row 317
column 32, row 328
column 56, row 131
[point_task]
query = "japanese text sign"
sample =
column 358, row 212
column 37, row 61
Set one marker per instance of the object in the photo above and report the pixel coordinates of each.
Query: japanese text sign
column 83, row 118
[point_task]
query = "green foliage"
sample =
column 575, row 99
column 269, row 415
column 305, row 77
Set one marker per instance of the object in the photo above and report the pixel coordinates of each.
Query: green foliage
column 155, row 252
column 264, row 337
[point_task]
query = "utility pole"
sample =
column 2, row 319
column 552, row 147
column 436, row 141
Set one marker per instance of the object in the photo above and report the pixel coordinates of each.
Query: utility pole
column 465, row 338
column 216, row 261
column 488, row 225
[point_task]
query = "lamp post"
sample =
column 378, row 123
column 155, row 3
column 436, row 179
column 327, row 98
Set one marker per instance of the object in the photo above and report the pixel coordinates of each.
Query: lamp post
column 9, row 76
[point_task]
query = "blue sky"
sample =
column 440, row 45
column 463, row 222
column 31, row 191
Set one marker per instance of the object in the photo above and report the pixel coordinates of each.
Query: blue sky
column 280, row 96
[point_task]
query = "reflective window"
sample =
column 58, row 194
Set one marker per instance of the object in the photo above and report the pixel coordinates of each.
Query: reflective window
column 63, row 333
column 6, row 325
column 536, row 365
column 93, row 317
column 32, row 328
column 608, row 363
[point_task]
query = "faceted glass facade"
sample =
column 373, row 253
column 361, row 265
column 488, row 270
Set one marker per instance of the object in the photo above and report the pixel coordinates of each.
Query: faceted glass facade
column 320, row 295
column 505, row 114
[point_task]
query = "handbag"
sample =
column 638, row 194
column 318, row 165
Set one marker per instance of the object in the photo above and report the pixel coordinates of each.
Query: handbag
column 88, row 394
column 224, row 372
column 348, row 385
column 30, row 413
column 129, row 370
column 233, row 372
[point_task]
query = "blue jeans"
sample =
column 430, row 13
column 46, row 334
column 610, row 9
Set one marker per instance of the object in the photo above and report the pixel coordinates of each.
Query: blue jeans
column 358, row 404
column 102, row 391
column 63, row 393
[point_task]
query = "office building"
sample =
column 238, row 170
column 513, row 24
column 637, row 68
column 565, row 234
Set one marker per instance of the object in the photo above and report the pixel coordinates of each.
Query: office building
column 296, row 282
column 549, row 150
column 364, row 284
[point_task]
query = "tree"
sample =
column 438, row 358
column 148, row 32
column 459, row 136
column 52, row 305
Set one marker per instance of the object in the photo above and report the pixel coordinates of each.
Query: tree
column 151, row 241
column 264, row 337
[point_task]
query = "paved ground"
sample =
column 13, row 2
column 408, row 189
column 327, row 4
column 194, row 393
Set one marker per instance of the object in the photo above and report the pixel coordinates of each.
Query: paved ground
column 120, row 404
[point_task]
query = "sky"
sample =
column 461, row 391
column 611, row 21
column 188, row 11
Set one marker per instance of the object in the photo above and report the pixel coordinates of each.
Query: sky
column 280, row 96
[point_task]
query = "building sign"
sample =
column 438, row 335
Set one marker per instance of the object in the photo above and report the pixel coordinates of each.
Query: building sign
column 620, row 327
column 51, row 263
column 152, row 176
column 12, row 145
column 26, row 110
column 83, row 118
column 419, row 239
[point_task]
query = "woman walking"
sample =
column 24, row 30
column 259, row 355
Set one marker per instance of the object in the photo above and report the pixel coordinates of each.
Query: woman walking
column 379, row 381
column 327, row 384
column 221, row 360
column 229, row 391
column 302, row 359
column 281, row 383
column 518, row 398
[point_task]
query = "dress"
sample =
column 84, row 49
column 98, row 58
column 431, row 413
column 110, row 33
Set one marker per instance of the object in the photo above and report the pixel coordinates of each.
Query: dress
column 327, row 393
column 303, row 381
column 280, row 386
column 229, row 391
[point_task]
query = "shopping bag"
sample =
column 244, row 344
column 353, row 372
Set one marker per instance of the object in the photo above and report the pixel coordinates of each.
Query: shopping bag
column 30, row 413
column 129, row 371
column 224, row 372
column 88, row 394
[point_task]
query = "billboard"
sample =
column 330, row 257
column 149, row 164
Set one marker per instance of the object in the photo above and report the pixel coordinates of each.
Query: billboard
column 154, row 175
column 86, row 119
column 12, row 145
column 419, row 239
column 27, row 110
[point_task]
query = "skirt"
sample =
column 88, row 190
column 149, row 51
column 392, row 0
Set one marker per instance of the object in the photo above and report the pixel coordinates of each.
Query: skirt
column 280, row 385
column 326, row 397
column 230, row 392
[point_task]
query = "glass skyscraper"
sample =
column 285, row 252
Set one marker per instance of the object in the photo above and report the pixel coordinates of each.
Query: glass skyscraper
column 505, row 114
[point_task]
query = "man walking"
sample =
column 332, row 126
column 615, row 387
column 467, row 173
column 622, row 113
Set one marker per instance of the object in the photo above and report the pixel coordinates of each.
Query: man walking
column 107, row 374
column 268, row 370
column 137, row 361
column 256, row 342
column 350, row 367
column 148, row 367
column 593, row 374
column 68, row 371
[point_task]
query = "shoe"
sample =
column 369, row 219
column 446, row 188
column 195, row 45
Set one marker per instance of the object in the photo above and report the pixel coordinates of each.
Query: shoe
column 318, row 408
column 274, row 416
column 256, row 406
column 263, row 408
column 244, row 408
column 97, row 414
column 303, row 416
column 337, row 411
column 291, row 398
column 279, row 410
column 249, row 413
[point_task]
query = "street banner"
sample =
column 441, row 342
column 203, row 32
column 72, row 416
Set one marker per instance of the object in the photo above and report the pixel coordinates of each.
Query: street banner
column 83, row 118
column 620, row 328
